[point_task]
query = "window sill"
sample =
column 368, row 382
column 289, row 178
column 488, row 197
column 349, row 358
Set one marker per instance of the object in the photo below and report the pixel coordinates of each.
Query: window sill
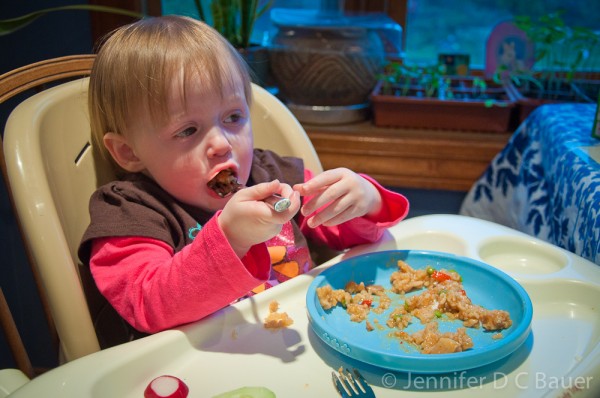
column 410, row 158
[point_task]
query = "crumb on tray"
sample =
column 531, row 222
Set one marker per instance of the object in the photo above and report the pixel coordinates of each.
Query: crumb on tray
column 277, row 320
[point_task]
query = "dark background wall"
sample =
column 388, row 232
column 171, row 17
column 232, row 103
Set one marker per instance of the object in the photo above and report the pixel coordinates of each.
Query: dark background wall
column 54, row 35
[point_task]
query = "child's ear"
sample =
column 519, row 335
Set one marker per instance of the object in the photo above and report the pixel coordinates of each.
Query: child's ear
column 122, row 152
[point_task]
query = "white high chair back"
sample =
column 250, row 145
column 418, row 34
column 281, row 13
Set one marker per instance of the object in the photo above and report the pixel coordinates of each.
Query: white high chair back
column 52, row 170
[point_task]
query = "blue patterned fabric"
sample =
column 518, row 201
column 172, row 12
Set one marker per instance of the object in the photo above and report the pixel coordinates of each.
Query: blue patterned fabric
column 544, row 182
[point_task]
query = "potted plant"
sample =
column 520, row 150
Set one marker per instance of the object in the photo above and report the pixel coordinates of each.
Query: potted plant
column 425, row 97
column 564, row 58
column 235, row 20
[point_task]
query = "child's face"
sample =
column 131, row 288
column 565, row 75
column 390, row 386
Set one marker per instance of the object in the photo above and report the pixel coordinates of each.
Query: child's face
column 204, row 135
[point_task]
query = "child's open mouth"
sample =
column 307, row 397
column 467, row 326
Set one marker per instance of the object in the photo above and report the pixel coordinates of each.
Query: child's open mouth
column 225, row 183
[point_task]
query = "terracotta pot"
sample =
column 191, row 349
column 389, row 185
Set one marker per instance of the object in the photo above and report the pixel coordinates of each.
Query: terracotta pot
column 492, row 111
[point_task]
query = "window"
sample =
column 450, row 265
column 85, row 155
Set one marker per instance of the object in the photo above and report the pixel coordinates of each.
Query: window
column 439, row 26
column 263, row 28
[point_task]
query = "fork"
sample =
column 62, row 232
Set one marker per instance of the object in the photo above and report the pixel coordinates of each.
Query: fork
column 351, row 386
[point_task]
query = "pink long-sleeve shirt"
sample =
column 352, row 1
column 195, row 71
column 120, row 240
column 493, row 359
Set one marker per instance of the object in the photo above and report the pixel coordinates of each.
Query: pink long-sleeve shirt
column 154, row 288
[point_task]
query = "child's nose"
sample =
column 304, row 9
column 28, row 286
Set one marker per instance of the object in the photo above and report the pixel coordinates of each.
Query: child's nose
column 219, row 144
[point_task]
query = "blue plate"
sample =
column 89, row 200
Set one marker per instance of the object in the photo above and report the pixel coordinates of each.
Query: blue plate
column 485, row 285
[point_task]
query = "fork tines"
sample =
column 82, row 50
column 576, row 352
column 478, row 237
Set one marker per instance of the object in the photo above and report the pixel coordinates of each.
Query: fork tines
column 351, row 386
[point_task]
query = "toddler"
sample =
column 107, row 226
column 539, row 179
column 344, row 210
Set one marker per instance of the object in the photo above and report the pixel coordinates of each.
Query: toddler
column 169, row 105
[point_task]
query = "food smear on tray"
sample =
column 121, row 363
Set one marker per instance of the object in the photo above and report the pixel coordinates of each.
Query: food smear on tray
column 275, row 319
column 443, row 297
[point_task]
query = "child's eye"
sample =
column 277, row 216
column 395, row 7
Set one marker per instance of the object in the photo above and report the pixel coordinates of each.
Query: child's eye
column 186, row 132
column 234, row 118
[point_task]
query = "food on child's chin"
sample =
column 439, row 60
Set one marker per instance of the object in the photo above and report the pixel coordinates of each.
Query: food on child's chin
column 444, row 297
column 166, row 387
column 224, row 183
column 277, row 320
column 248, row 392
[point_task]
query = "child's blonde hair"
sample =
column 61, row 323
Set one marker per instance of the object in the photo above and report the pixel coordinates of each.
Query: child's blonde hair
column 137, row 64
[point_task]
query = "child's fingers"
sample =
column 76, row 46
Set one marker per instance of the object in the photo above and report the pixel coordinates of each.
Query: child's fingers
column 261, row 191
column 319, row 182
column 264, row 193
column 328, row 196
column 334, row 213
column 286, row 190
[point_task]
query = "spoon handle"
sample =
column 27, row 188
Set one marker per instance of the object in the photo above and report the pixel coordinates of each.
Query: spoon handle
column 278, row 202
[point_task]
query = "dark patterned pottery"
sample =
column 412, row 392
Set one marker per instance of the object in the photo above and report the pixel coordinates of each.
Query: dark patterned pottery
column 325, row 60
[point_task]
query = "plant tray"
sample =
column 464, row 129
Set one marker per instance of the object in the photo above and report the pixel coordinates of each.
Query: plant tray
column 492, row 111
column 529, row 98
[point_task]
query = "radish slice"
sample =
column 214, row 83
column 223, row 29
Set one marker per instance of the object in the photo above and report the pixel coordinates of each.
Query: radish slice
column 166, row 387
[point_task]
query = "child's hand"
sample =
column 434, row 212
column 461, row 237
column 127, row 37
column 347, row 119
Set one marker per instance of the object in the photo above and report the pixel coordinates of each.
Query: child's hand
column 345, row 195
column 246, row 220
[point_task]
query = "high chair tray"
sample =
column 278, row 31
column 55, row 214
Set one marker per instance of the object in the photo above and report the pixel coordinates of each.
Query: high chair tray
column 232, row 348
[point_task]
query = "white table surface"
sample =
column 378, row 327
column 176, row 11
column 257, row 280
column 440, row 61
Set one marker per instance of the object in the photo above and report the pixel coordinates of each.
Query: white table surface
column 231, row 348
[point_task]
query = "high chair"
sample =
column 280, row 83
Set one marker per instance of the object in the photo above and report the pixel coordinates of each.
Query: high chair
column 51, row 170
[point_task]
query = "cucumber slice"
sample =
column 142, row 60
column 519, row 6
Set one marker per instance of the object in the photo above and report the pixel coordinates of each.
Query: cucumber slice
column 248, row 392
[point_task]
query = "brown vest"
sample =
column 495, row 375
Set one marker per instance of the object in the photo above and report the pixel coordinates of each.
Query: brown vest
column 137, row 206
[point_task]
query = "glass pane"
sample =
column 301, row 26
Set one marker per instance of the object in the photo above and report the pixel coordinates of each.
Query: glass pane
column 443, row 27
column 440, row 26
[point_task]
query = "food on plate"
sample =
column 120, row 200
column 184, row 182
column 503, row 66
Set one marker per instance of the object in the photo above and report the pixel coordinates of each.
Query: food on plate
column 224, row 183
column 329, row 298
column 431, row 341
column 356, row 298
column 166, row 387
column 445, row 295
column 443, row 298
column 277, row 320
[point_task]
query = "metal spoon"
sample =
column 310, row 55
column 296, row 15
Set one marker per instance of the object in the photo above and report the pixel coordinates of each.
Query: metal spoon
column 278, row 202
